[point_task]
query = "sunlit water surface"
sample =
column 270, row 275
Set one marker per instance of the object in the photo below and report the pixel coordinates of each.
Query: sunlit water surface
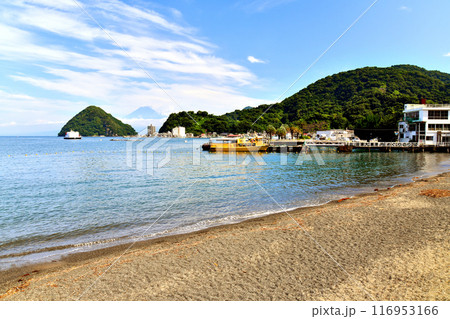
column 62, row 196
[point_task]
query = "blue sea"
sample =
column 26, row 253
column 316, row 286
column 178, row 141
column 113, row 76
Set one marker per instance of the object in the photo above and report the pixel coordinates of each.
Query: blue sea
column 64, row 196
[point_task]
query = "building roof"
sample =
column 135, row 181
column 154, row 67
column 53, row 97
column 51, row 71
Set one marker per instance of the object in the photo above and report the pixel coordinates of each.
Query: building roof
column 416, row 107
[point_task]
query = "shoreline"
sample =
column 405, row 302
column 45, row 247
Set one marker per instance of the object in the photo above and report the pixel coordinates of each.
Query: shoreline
column 17, row 283
column 110, row 243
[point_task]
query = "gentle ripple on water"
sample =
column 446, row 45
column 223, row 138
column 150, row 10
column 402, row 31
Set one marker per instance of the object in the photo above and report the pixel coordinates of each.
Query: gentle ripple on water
column 59, row 196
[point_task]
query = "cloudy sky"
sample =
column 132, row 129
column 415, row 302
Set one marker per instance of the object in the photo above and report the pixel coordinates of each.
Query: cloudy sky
column 59, row 56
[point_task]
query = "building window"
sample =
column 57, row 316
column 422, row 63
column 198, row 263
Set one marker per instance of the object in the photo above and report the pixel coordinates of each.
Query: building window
column 438, row 115
column 429, row 138
column 439, row 127
column 412, row 116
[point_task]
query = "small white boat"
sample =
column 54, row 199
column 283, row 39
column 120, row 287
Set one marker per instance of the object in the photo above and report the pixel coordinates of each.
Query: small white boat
column 72, row 135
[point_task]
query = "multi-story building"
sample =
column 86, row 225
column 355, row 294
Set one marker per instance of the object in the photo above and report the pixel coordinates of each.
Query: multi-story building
column 179, row 131
column 426, row 124
column 151, row 130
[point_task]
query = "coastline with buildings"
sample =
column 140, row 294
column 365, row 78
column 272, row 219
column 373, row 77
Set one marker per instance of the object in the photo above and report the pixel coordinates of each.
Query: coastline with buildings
column 362, row 191
column 424, row 127
column 263, row 150
column 426, row 124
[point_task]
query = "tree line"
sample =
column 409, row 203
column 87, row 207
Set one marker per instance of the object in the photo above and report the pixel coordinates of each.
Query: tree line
column 369, row 98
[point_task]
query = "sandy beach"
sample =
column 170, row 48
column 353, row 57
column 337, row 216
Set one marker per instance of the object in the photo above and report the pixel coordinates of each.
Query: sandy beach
column 391, row 244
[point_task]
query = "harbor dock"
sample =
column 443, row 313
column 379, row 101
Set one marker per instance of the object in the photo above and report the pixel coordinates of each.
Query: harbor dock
column 348, row 147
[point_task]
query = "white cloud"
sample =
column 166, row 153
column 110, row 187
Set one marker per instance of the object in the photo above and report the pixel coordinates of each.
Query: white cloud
column 183, row 55
column 8, row 124
column 19, row 112
column 261, row 5
column 131, row 13
column 22, row 103
column 61, row 23
column 252, row 59
column 60, row 4
column 73, row 83
column 448, row 54
column 176, row 13
column 123, row 96
column 55, row 47
column 405, row 8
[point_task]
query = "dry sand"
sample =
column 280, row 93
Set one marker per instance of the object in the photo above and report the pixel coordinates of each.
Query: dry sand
column 390, row 245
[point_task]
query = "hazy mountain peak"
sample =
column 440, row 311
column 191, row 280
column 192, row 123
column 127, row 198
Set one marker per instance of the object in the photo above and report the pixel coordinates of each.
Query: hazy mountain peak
column 144, row 112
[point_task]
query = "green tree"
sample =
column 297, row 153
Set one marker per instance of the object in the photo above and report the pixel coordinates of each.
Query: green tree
column 243, row 126
column 365, row 98
column 270, row 130
column 93, row 121
column 281, row 132
column 295, row 131
column 287, row 128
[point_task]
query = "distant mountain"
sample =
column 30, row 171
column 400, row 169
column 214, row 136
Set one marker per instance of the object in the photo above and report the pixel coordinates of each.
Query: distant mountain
column 93, row 121
column 369, row 98
column 145, row 112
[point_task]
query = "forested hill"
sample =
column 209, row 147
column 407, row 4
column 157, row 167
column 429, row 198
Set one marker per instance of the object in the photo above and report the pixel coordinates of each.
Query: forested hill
column 369, row 97
column 93, row 121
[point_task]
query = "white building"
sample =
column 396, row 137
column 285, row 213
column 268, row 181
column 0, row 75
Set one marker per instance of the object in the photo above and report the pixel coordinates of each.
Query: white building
column 179, row 131
column 335, row 135
column 426, row 124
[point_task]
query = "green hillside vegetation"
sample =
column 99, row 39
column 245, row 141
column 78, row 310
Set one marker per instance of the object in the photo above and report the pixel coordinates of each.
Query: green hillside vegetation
column 366, row 98
column 93, row 121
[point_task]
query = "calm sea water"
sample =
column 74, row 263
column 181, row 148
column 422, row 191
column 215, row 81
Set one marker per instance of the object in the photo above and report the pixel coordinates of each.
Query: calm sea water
column 62, row 196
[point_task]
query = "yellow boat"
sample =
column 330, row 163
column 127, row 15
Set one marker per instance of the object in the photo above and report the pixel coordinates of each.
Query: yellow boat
column 240, row 144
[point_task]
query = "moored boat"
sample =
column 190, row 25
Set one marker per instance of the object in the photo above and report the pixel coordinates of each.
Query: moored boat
column 238, row 144
column 72, row 135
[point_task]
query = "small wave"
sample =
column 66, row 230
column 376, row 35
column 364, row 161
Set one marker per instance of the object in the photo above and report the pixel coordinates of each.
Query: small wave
column 96, row 242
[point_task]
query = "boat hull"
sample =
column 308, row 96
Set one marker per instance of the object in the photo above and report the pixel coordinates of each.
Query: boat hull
column 72, row 135
column 218, row 148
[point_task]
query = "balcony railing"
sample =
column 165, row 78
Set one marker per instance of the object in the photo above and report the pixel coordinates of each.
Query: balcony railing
column 418, row 106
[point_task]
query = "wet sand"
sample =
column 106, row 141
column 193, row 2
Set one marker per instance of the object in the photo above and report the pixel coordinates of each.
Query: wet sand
column 388, row 245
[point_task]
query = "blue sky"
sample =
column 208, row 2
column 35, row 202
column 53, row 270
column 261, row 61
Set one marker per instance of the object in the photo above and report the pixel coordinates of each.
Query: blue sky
column 204, row 55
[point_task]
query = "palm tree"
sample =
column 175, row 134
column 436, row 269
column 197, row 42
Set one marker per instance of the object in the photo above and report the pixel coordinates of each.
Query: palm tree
column 270, row 130
column 281, row 132
column 295, row 131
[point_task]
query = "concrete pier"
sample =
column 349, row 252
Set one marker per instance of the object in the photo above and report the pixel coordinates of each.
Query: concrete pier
column 348, row 147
